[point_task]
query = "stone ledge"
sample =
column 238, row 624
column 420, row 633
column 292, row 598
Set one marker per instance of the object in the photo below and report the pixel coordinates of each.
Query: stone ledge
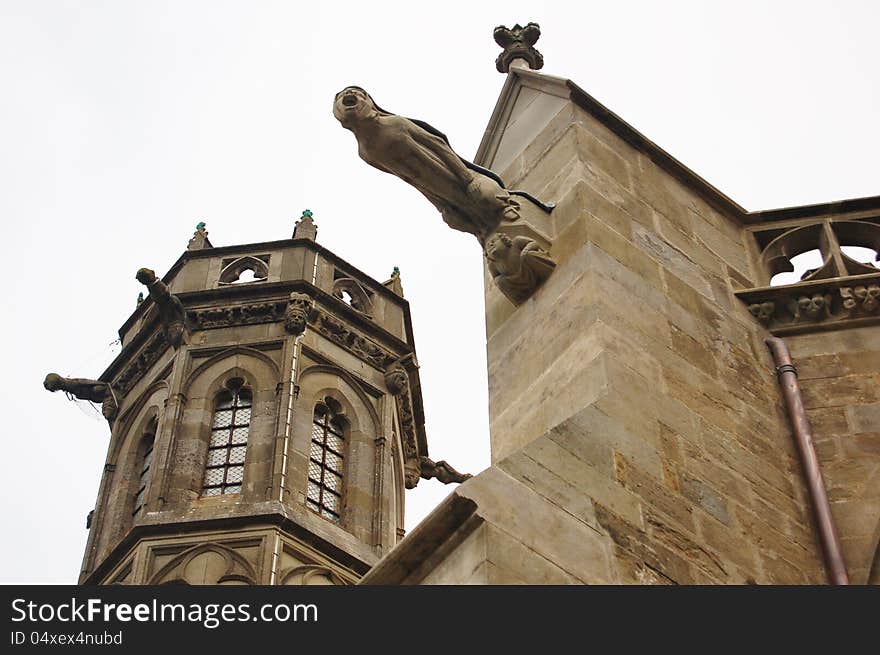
column 816, row 306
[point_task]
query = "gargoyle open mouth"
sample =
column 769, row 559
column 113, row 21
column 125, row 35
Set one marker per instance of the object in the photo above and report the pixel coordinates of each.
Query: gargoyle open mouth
column 349, row 100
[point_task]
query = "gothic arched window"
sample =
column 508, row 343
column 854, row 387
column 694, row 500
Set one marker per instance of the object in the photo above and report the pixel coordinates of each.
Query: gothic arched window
column 326, row 455
column 145, row 460
column 224, row 471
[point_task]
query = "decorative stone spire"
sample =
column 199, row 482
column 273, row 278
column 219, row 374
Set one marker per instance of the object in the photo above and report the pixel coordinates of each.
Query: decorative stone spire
column 199, row 238
column 518, row 44
column 305, row 227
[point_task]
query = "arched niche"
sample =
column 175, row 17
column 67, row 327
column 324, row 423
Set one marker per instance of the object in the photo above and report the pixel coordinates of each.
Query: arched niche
column 115, row 512
column 310, row 574
column 260, row 375
column 353, row 294
column 232, row 272
column 207, row 564
column 317, row 384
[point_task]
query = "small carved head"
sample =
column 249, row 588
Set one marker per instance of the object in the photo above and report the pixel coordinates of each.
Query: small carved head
column 52, row 382
column 869, row 295
column 145, row 276
column 353, row 105
column 299, row 307
column 813, row 305
column 762, row 311
column 396, row 380
column 497, row 246
column 411, row 475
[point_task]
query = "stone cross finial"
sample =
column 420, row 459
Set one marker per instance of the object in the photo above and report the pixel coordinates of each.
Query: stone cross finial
column 518, row 43
column 305, row 227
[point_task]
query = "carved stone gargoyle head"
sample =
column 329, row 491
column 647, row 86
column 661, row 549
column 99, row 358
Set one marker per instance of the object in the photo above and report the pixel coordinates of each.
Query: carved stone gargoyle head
column 300, row 307
column 397, row 380
column 171, row 312
column 353, row 105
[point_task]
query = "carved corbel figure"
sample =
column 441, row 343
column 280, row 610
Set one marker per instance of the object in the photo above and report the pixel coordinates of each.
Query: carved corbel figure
column 763, row 311
column 518, row 265
column 865, row 298
column 812, row 306
column 171, row 312
column 300, row 307
column 442, row 471
column 397, row 380
column 85, row 389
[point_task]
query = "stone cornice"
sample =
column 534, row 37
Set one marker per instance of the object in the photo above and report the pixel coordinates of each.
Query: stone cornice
column 247, row 248
column 275, row 516
column 205, row 312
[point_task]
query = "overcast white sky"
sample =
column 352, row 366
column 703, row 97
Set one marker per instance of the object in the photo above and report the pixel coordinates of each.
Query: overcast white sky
column 124, row 123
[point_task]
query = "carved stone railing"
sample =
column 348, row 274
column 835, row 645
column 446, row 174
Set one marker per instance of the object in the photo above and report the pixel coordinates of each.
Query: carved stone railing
column 817, row 305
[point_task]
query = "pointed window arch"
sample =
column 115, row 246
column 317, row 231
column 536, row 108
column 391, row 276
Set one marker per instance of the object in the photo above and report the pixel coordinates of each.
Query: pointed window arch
column 145, row 460
column 326, row 460
column 224, row 471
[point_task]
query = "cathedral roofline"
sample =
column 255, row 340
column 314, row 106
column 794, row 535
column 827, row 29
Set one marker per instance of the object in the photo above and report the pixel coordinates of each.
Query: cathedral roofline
column 519, row 78
column 188, row 255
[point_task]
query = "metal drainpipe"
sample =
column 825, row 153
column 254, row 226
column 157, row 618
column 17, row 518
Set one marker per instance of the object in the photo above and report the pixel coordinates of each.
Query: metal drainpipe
column 803, row 436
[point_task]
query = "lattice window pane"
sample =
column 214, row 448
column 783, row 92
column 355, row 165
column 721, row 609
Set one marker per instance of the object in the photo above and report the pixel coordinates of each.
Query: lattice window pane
column 236, row 455
column 222, row 418
column 333, row 462
column 315, row 452
column 335, row 443
column 240, row 435
column 243, row 416
column 324, row 489
column 317, row 433
column 219, row 438
column 211, row 491
column 217, row 457
column 332, row 481
column 235, row 474
column 214, row 476
column 233, row 489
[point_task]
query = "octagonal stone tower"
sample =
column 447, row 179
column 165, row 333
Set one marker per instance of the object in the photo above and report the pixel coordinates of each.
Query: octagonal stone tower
column 254, row 437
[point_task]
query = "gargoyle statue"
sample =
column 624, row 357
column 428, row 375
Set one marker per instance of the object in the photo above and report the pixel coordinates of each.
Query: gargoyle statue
column 518, row 265
column 171, row 312
column 442, row 471
column 470, row 198
column 85, row 389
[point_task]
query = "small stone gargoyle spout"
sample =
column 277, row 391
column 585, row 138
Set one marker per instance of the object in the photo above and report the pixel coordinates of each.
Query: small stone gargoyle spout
column 442, row 471
column 171, row 312
column 92, row 390
column 469, row 198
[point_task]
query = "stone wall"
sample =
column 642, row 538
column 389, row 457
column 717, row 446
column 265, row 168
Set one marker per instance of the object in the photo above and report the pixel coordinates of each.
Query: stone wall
column 637, row 429
column 839, row 375
column 633, row 391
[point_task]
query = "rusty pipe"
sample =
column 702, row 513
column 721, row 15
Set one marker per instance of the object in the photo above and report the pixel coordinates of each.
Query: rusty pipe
column 803, row 437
